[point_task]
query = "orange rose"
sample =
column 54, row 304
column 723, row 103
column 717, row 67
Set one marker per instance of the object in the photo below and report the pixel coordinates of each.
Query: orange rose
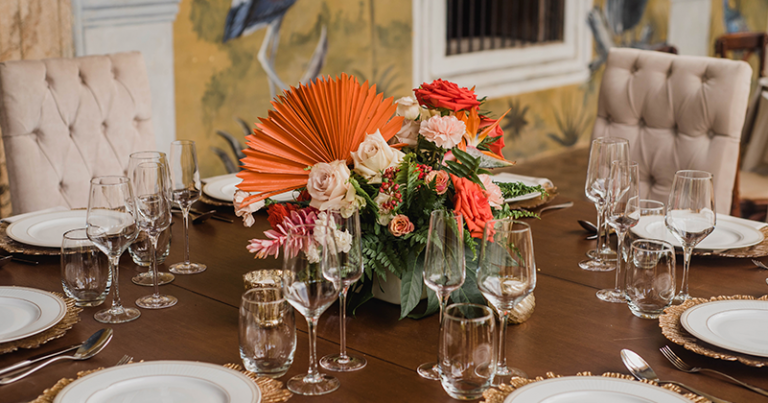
column 400, row 225
column 471, row 202
column 445, row 94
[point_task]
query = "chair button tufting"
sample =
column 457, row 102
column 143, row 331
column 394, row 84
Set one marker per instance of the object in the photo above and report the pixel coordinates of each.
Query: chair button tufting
column 104, row 126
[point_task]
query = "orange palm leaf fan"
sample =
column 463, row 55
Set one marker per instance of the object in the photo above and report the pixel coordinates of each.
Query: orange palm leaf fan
column 320, row 122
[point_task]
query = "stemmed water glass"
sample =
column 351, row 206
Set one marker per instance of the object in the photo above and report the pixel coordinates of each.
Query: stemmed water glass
column 444, row 266
column 147, row 278
column 346, row 230
column 153, row 217
column 623, row 213
column 185, row 191
column 604, row 151
column 111, row 226
column 308, row 253
column 690, row 216
column 506, row 274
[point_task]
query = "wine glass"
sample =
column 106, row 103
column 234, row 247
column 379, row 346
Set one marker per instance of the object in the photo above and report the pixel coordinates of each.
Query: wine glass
column 346, row 232
column 308, row 253
column 444, row 269
column 604, row 151
column 153, row 217
column 111, row 226
column 506, row 274
column 690, row 216
column 623, row 213
column 185, row 191
column 147, row 278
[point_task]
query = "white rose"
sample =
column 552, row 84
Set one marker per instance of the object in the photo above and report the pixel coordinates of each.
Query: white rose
column 373, row 156
column 409, row 133
column 245, row 211
column 329, row 186
column 408, row 107
column 385, row 215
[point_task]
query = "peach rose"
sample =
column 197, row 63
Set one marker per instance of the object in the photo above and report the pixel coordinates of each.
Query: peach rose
column 444, row 131
column 400, row 225
column 472, row 203
column 373, row 156
column 409, row 133
column 329, row 186
column 441, row 181
column 408, row 107
column 492, row 191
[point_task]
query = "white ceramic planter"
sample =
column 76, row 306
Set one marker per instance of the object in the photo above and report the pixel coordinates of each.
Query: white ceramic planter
column 389, row 291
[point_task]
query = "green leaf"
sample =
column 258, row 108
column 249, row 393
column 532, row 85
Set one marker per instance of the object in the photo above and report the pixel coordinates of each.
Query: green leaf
column 412, row 285
column 433, row 305
column 468, row 292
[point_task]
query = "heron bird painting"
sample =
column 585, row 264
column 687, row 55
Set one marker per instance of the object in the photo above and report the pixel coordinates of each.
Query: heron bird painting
column 248, row 16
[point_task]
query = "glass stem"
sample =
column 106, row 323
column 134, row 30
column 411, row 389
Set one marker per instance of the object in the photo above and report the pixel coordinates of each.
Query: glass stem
column 313, row 375
column 443, row 303
column 687, row 251
column 621, row 285
column 114, row 262
column 501, row 362
column 153, row 262
column 343, row 323
column 602, row 233
column 185, row 214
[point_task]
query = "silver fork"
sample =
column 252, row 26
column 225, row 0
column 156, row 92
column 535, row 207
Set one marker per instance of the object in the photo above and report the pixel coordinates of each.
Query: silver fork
column 683, row 366
column 125, row 360
column 759, row 264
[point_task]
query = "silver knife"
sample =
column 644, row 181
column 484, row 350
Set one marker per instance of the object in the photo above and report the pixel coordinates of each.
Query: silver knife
column 37, row 358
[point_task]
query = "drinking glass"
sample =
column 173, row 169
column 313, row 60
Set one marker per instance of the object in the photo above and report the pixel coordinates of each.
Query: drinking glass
column 623, row 213
column 185, row 191
column 506, row 274
column 111, row 226
column 85, row 274
column 604, row 151
column 346, row 230
column 139, row 249
column 267, row 332
column 153, row 217
column 690, row 216
column 648, row 208
column 467, row 360
column 444, row 268
column 650, row 278
column 306, row 256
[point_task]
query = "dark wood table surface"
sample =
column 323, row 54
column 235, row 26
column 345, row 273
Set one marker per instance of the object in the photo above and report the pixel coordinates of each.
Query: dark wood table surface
column 570, row 330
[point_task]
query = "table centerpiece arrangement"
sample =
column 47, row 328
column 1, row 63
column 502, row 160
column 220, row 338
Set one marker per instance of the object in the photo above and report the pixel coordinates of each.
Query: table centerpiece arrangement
column 339, row 145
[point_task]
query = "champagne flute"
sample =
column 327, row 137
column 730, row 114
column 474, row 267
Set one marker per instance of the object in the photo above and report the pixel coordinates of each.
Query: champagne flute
column 111, row 226
column 346, row 232
column 154, row 217
column 308, row 252
column 147, row 278
column 444, row 266
column 690, row 216
column 604, row 151
column 506, row 274
column 185, row 191
column 623, row 213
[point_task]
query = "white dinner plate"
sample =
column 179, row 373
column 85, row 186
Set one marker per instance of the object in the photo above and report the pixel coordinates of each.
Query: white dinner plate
column 737, row 325
column 26, row 311
column 729, row 233
column 224, row 187
column 46, row 229
column 592, row 389
column 509, row 178
column 162, row 382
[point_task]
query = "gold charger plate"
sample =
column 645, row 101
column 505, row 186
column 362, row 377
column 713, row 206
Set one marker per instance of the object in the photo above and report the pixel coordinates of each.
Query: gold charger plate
column 71, row 317
column 538, row 201
column 12, row 246
column 674, row 331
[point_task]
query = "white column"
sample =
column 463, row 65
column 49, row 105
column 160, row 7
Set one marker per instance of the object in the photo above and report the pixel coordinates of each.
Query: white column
column 111, row 26
column 689, row 22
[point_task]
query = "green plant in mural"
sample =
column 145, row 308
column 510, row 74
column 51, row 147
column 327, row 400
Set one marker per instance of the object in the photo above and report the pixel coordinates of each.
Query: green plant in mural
column 515, row 120
column 386, row 81
column 573, row 122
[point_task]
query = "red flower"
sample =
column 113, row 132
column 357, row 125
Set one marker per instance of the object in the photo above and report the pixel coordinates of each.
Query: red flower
column 278, row 211
column 445, row 94
column 304, row 196
column 497, row 146
column 471, row 202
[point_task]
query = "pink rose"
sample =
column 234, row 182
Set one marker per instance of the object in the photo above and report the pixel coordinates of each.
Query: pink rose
column 492, row 191
column 400, row 225
column 329, row 186
column 444, row 131
column 440, row 178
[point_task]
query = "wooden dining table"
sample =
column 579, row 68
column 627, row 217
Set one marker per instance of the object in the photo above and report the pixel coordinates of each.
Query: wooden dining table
column 570, row 330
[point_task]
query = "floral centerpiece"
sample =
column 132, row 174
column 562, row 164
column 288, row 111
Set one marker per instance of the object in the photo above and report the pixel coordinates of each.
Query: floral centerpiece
column 345, row 148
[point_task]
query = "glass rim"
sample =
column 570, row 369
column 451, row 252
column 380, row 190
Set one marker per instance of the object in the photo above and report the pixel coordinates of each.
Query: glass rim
column 666, row 245
column 693, row 174
column 103, row 180
column 84, row 238
column 651, row 201
column 254, row 290
column 183, row 142
column 609, row 140
column 492, row 223
column 147, row 154
column 488, row 313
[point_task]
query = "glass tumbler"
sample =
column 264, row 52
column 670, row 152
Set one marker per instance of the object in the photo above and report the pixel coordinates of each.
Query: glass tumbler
column 467, row 359
column 267, row 332
column 85, row 274
column 650, row 278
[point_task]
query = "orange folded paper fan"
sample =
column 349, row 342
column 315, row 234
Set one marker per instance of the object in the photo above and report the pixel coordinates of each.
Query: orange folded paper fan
column 323, row 121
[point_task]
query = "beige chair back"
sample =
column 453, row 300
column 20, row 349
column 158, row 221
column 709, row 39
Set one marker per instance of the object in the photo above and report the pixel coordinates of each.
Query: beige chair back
column 65, row 121
column 678, row 112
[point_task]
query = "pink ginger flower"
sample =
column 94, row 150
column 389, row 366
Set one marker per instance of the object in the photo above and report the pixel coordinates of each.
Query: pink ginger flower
column 278, row 237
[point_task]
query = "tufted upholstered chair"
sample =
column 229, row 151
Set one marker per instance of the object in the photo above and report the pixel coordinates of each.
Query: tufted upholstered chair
column 678, row 112
column 65, row 121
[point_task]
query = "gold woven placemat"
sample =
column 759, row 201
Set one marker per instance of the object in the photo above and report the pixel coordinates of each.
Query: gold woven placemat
column 759, row 250
column 71, row 317
column 497, row 395
column 538, row 201
column 213, row 202
column 271, row 389
column 12, row 246
column 673, row 330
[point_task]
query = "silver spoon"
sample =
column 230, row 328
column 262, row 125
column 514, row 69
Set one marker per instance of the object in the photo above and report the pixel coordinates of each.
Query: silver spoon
column 88, row 349
column 556, row 207
column 641, row 370
column 759, row 264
